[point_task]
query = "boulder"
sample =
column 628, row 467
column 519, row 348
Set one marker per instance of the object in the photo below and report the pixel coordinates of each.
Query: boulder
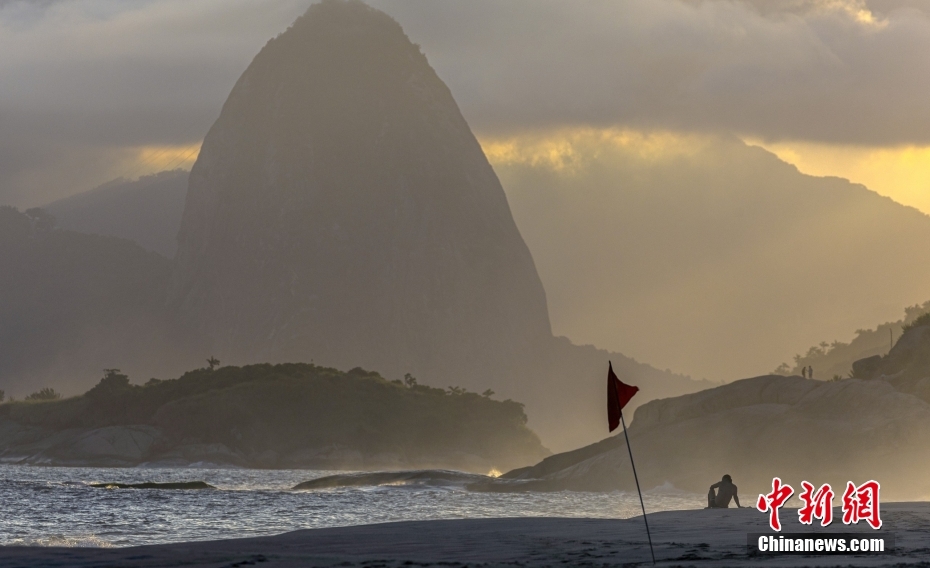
column 867, row 367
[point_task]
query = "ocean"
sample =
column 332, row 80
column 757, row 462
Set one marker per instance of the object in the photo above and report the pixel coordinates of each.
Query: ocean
column 56, row 506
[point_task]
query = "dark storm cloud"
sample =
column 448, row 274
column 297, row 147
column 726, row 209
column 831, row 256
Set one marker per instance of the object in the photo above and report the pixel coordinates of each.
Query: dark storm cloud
column 85, row 79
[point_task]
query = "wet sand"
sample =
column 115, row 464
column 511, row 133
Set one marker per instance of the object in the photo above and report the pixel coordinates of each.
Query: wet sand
column 681, row 538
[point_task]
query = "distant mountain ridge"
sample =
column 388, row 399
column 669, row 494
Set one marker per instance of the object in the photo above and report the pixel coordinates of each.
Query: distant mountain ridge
column 147, row 211
column 722, row 260
column 73, row 303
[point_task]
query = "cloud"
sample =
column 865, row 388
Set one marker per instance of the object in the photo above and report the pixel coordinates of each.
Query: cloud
column 87, row 83
column 828, row 71
column 90, row 84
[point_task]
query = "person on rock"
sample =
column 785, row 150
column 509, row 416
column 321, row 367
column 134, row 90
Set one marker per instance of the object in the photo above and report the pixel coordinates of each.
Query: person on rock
column 725, row 491
column 804, row 372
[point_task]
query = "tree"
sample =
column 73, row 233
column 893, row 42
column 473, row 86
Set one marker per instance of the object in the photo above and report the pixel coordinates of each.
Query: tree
column 410, row 380
column 114, row 377
column 488, row 393
column 43, row 219
column 213, row 362
column 920, row 321
column 46, row 393
column 2, row 395
column 113, row 380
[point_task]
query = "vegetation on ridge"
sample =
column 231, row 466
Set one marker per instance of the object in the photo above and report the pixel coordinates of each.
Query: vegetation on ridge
column 835, row 359
column 295, row 406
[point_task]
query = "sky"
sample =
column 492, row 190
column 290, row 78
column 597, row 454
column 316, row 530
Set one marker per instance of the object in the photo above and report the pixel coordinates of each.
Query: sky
column 96, row 89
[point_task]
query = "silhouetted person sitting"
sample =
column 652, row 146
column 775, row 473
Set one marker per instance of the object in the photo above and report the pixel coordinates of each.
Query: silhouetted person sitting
column 725, row 491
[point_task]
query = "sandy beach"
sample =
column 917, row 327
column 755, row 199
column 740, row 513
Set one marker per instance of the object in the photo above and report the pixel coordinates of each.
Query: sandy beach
column 681, row 538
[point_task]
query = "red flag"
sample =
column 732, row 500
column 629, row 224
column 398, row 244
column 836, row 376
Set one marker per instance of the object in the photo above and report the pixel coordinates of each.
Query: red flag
column 618, row 394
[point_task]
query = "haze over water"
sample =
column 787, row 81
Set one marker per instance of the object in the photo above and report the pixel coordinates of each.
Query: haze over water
column 46, row 506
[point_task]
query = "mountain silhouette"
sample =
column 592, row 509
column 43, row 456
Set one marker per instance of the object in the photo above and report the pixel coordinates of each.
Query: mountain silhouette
column 342, row 210
column 147, row 211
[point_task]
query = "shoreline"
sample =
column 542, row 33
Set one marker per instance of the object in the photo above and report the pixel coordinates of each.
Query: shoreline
column 705, row 537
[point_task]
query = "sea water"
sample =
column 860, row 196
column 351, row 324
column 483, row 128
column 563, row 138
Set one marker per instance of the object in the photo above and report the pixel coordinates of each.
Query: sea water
column 56, row 506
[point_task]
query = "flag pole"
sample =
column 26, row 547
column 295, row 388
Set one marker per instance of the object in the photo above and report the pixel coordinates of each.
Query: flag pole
column 638, row 490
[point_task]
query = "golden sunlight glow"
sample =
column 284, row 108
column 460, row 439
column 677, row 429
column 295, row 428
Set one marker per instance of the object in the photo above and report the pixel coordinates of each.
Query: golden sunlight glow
column 856, row 10
column 494, row 472
column 902, row 173
column 161, row 158
column 133, row 162
column 569, row 149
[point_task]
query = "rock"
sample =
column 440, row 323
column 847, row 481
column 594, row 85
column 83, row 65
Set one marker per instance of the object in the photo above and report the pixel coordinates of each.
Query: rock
column 201, row 454
column 152, row 485
column 910, row 353
column 867, row 368
column 342, row 209
column 108, row 446
column 131, row 443
column 757, row 429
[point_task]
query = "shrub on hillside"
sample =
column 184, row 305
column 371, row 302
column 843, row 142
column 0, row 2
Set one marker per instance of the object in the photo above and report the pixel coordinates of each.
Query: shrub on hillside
column 922, row 320
column 46, row 393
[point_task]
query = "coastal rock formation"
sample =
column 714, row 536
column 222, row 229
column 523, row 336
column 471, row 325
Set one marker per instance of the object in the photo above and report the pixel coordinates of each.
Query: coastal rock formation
column 270, row 416
column 756, row 429
column 342, row 210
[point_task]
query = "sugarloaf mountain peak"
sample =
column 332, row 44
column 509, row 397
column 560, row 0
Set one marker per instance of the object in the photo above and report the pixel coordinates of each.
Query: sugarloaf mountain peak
column 341, row 210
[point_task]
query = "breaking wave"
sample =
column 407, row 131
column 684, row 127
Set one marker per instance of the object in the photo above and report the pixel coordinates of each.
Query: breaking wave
column 417, row 478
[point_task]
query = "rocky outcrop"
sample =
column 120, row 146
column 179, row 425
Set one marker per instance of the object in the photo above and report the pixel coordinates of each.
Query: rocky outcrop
column 341, row 209
column 271, row 416
column 867, row 367
column 756, row 429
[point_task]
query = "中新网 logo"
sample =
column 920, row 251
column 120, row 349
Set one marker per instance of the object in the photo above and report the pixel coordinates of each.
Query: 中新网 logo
column 860, row 503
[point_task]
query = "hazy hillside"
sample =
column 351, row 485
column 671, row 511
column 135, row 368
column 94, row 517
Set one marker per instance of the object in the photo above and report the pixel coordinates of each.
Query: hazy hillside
column 873, row 427
column 835, row 359
column 293, row 415
column 716, row 259
column 147, row 211
column 71, row 304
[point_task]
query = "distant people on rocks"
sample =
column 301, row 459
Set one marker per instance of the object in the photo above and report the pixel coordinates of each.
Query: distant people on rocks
column 810, row 372
column 725, row 490
column 804, row 372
